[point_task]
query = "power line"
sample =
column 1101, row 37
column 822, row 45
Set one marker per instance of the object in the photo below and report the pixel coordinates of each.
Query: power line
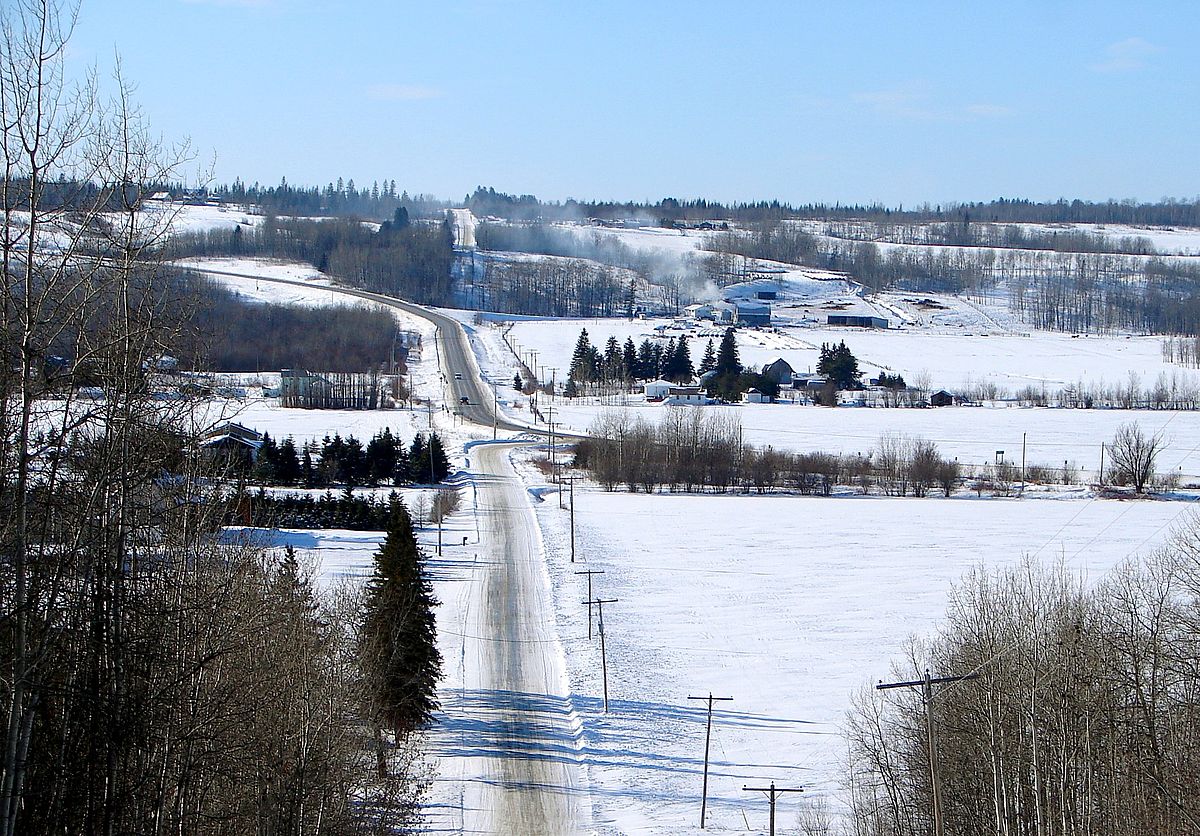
column 710, row 699
column 926, row 686
column 773, row 791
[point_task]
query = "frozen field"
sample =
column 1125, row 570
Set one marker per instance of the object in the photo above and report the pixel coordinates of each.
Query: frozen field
column 789, row 605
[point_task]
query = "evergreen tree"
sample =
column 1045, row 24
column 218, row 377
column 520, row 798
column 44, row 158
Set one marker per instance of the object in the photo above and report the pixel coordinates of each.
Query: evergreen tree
column 727, row 355
column 398, row 634
column 264, row 470
column 582, row 360
column 570, row 390
column 838, row 364
column 681, row 363
column 287, row 463
column 613, row 364
column 629, row 359
column 647, row 368
column 352, row 463
column 437, row 455
column 402, row 473
column 418, row 460
column 381, row 456
column 709, row 361
column 517, row 384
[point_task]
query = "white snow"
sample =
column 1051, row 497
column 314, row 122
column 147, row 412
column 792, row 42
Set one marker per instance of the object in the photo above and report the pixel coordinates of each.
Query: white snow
column 789, row 605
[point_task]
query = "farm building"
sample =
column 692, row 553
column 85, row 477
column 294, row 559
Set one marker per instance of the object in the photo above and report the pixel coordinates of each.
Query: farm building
column 780, row 371
column 752, row 313
column 681, row 395
column 857, row 321
column 658, row 389
column 755, row 396
column 943, row 398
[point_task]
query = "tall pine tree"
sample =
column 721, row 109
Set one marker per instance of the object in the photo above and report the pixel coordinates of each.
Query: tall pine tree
column 398, row 634
column 709, row 361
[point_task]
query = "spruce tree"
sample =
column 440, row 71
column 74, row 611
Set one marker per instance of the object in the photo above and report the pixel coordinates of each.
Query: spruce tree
column 629, row 359
column 582, row 359
column 681, row 364
column 398, row 634
column 727, row 355
column 287, row 462
column 437, row 455
column 709, row 361
column 646, row 365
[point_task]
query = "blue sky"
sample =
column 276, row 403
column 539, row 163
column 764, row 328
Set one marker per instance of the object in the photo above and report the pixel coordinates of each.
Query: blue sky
column 899, row 102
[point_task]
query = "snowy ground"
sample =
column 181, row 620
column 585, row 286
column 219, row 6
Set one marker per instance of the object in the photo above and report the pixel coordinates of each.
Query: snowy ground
column 789, row 605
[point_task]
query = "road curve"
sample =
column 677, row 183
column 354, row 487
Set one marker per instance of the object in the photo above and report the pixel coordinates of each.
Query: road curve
column 516, row 695
column 454, row 350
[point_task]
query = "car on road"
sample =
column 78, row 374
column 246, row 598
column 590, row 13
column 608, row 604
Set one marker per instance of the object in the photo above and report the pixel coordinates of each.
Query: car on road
column 464, row 399
column 458, row 375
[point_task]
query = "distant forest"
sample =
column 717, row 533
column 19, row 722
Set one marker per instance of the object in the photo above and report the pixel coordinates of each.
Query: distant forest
column 378, row 201
column 234, row 334
column 669, row 211
column 409, row 260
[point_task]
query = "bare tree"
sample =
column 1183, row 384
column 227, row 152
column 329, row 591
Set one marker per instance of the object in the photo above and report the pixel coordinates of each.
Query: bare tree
column 1133, row 455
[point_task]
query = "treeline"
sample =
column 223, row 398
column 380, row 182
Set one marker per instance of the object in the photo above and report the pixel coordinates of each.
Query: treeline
column 384, row 460
column 990, row 235
column 1167, row 212
column 696, row 451
column 1083, row 717
column 341, row 199
column 618, row 365
column 234, row 334
column 409, row 260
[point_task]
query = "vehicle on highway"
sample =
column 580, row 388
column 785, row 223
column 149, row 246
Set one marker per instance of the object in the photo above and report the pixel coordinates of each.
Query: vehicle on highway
column 464, row 399
column 458, row 375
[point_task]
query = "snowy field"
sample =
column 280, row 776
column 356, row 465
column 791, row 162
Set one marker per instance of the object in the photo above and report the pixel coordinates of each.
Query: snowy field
column 953, row 360
column 789, row 605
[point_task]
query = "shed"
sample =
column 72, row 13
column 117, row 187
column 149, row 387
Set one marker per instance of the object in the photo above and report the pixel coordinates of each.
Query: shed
column 755, row 396
column 943, row 398
column 857, row 321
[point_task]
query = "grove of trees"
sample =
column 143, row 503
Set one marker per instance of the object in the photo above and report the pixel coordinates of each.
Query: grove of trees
column 153, row 678
column 1082, row 718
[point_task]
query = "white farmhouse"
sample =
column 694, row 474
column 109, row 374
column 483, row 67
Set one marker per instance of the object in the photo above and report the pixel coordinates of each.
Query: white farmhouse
column 656, row 390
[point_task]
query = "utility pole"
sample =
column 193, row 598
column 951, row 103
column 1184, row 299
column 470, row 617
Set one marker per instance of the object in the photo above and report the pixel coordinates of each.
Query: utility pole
column 495, row 409
column 589, row 573
column 429, row 410
column 600, row 602
column 573, row 518
column 707, row 739
column 1023, row 462
column 926, row 686
column 1101, row 464
column 771, row 792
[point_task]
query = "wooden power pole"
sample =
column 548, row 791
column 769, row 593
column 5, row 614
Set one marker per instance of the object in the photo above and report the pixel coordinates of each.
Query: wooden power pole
column 772, row 791
column 589, row 574
column 926, row 686
column 573, row 519
column 600, row 602
column 707, row 739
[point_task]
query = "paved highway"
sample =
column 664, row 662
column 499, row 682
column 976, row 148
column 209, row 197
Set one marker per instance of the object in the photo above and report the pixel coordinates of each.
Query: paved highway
column 514, row 670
